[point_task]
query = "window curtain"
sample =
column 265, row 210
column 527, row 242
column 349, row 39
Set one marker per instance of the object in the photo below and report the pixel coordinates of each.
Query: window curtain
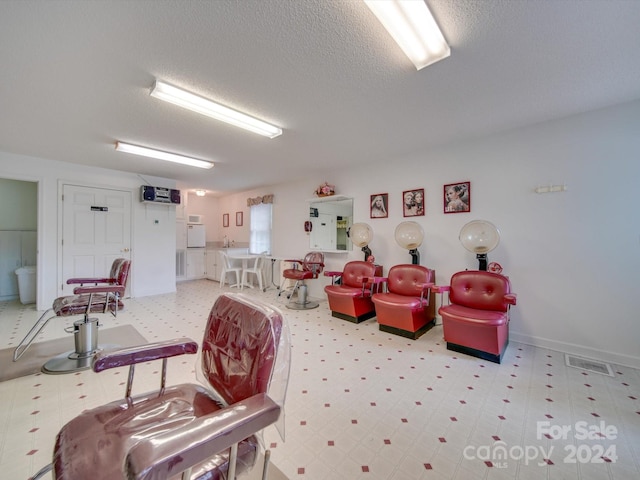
column 260, row 224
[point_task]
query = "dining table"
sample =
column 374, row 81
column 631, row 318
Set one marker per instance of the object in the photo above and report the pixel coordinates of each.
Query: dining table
column 244, row 258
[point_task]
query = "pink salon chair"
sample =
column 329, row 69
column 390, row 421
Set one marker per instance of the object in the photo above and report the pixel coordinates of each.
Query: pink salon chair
column 408, row 308
column 199, row 432
column 104, row 295
column 351, row 298
column 476, row 320
column 310, row 267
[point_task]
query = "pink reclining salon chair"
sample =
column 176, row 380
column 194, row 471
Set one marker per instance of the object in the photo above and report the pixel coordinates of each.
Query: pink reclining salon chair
column 351, row 298
column 476, row 320
column 408, row 308
column 93, row 295
column 199, row 432
column 310, row 267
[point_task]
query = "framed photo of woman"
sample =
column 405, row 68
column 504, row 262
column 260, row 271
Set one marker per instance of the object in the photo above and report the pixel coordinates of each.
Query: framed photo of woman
column 379, row 205
column 413, row 203
column 457, row 197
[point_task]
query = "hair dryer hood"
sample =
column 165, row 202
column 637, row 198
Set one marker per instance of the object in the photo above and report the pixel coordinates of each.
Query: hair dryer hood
column 479, row 236
column 409, row 235
column 360, row 234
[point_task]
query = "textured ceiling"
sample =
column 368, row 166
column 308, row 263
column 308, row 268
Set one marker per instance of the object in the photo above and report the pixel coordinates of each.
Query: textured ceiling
column 75, row 77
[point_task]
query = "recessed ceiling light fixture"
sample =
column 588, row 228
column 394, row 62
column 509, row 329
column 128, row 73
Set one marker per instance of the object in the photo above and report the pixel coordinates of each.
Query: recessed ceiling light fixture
column 201, row 193
column 201, row 105
column 414, row 29
column 159, row 154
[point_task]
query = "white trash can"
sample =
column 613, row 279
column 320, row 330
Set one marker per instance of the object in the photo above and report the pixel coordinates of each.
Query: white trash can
column 27, row 284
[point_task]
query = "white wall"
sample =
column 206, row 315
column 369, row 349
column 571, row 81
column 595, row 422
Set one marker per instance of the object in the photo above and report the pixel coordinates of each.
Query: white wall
column 573, row 257
column 153, row 248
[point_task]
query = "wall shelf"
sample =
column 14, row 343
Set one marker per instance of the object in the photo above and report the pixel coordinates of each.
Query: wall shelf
column 330, row 198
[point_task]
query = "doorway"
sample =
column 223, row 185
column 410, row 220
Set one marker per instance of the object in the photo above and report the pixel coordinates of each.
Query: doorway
column 18, row 232
column 96, row 229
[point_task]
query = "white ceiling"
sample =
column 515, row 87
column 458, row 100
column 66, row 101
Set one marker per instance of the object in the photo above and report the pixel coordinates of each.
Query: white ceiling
column 75, row 77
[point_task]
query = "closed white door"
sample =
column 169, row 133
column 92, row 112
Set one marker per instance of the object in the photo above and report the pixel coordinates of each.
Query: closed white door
column 96, row 226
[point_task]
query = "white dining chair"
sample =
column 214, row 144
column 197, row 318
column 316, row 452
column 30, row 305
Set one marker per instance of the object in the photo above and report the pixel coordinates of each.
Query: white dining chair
column 256, row 269
column 228, row 268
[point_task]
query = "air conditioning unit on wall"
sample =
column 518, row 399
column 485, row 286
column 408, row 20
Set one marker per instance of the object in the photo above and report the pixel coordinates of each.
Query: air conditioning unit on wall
column 159, row 195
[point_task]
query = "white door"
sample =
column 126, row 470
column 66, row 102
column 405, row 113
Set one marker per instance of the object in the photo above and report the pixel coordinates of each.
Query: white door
column 96, row 229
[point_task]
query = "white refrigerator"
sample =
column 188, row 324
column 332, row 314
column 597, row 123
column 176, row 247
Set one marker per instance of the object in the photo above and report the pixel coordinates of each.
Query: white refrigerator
column 196, row 236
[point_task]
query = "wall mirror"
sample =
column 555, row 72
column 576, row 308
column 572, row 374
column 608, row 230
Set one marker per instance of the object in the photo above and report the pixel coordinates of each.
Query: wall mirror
column 329, row 220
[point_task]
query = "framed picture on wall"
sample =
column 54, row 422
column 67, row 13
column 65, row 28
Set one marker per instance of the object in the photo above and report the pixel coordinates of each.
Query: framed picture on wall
column 238, row 219
column 413, row 203
column 457, row 197
column 380, row 205
column 225, row 220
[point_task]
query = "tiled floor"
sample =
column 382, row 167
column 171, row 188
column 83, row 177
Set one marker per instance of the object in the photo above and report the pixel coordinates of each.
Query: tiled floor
column 362, row 403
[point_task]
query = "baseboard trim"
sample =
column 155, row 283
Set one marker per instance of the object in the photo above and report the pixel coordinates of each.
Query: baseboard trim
column 579, row 350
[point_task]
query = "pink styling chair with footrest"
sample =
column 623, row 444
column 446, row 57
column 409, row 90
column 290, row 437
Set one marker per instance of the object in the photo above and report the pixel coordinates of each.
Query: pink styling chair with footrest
column 408, row 308
column 350, row 299
column 302, row 270
column 476, row 320
column 92, row 295
column 206, row 430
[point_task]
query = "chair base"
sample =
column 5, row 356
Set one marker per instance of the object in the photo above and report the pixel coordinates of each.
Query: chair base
column 406, row 333
column 302, row 306
column 352, row 319
column 85, row 333
column 72, row 361
column 491, row 357
column 300, row 289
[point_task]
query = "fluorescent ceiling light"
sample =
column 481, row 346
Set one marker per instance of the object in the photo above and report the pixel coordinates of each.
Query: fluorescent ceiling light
column 198, row 104
column 201, row 193
column 414, row 29
column 169, row 157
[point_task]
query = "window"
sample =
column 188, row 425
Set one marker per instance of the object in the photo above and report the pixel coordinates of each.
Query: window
column 260, row 239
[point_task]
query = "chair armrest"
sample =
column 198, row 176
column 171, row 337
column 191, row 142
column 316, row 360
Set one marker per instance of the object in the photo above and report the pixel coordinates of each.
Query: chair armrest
column 441, row 288
column 332, row 274
column 378, row 280
column 106, row 359
column 119, row 289
column 425, row 289
column 375, row 283
column 168, row 454
column 73, row 281
column 510, row 298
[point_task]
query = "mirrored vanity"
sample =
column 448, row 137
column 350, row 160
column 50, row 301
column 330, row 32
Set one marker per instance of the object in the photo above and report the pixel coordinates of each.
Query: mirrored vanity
column 329, row 221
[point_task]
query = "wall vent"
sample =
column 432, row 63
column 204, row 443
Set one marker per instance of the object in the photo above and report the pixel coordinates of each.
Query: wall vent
column 589, row 365
column 181, row 264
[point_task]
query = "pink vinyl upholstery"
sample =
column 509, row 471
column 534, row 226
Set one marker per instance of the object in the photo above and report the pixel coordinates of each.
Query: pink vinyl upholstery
column 351, row 298
column 310, row 267
column 188, row 426
column 104, row 295
column 302, row 270
column 408, row 306
column 476, row 320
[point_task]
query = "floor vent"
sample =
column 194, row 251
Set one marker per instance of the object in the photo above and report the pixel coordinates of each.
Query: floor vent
column 590, row 365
